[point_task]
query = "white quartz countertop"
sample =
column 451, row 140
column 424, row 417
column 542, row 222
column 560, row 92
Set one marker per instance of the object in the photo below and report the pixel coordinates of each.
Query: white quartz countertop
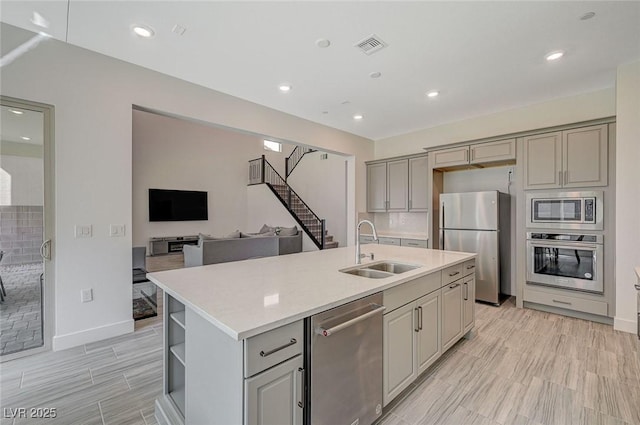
column 246, row 298
column 402, row 235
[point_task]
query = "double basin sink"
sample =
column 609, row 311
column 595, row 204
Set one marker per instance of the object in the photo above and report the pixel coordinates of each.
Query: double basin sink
column 380, row 270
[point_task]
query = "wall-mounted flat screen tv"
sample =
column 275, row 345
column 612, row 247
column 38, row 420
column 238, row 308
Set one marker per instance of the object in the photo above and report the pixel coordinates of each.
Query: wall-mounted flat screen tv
column 177, row 205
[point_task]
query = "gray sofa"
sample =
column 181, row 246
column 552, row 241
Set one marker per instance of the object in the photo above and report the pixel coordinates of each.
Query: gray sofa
column 213, row 251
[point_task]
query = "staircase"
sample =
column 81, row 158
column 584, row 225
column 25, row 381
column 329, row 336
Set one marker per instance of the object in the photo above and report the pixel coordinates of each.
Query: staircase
column 294, row 158
column 262, row 172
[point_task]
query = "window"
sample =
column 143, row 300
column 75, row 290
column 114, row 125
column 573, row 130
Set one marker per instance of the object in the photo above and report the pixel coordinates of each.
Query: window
column 272, row 146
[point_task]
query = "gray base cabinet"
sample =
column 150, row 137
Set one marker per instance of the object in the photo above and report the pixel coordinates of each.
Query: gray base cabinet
column 271, row 397
column 424, row 318
column 451, row 314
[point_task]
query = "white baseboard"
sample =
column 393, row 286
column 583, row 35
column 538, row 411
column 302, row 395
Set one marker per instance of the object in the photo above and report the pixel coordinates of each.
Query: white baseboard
column 625, row 325
column 62, row 342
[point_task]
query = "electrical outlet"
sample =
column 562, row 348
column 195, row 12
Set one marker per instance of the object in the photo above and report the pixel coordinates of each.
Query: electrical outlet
column 116, row 230
column 86, row 295
column 83, row 231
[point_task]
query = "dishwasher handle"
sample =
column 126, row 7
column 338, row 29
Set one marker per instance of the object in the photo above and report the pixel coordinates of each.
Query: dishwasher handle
column 337, row 328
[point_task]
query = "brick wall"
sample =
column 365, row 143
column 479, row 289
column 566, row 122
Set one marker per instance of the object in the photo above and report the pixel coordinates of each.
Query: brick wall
column 20, row 234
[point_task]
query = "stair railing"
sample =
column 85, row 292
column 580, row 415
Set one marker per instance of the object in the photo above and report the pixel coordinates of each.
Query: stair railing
column 292, row 160
column 262, row 172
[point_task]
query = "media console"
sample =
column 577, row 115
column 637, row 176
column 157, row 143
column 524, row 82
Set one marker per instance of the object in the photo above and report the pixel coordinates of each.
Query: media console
column 170, row 244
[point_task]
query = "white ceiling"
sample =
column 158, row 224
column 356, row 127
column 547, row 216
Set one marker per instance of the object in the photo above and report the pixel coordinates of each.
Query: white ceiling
column 482, row 56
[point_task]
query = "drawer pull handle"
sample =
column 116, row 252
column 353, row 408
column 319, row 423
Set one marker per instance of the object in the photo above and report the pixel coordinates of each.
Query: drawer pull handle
column 471, row 267
column 453, row 274
column 282, row 347
column 561, row 302
column 454, row 286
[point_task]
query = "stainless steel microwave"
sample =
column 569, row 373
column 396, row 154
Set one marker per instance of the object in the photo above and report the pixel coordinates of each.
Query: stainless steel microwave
column 565, row 210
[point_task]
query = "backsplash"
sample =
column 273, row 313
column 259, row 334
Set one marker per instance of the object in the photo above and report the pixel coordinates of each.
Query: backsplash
column 401, row 222
column 20, row 234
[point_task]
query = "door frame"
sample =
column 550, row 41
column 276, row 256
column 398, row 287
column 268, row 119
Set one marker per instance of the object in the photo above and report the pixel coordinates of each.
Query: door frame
column 48, row 289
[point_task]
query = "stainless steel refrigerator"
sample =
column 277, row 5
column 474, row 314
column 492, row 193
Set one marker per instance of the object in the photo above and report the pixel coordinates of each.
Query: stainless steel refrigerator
column 480, row 222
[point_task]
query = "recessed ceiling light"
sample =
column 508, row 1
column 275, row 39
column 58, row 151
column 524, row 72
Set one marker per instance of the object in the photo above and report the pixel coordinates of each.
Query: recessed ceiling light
column 345, row 102
column 178, row 29
column 358, row 117
column 15, row 111
column 325, row 112
column 25, row 138
column 143, row 31
column 285, row 87
column 554, row 56
column 323, row 43
column 375, row 74
column 587, row 15
column 433, row 93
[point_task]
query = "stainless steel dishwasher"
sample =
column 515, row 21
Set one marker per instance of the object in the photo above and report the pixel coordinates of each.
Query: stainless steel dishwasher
column 345, row 363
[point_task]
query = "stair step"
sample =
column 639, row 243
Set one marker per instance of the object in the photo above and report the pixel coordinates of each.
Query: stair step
column 328, row 238
column 329, row 245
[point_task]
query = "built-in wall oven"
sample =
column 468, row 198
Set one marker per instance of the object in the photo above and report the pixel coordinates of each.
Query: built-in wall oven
column 565, row 210
column 564, row 260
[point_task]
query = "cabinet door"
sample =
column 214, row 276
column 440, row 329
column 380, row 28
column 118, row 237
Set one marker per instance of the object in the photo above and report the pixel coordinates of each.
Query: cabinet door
column 543, row 161
column 271, row 397
column 377, row 187
column 502, row 150
column 450, row 157
column 398, row 185
column 399, row 368
column 469, row 302
column 584, row 156
column 428, row 339
column 419, row 184
column 451, row 314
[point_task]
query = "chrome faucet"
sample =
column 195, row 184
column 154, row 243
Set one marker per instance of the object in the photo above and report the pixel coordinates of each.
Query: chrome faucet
column 375, row 238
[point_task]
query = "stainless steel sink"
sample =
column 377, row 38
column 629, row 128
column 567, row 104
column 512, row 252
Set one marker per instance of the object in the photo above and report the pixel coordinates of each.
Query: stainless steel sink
column 395, row 268
column 371, row 274
column 380, row 270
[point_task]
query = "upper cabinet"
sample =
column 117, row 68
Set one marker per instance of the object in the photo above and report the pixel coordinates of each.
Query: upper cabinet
column 398, row 185
column 570, row 158
column 479, row 153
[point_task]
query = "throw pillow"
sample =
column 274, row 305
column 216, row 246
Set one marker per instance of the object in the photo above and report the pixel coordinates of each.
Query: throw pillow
column 266, row 228
column 233, row 235
column 288, row 231
column 266, row 234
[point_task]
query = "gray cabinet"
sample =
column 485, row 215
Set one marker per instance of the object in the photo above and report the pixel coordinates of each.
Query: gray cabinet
column 451, row 314
column 500, row 151
column 451, row 157
column 383, row 240
column 399, row 342
column 377, row 187
column 398, row 185
column 468, row 302
column 571, row 158
column 419, row 184
column 274, row 397
column 428, row 341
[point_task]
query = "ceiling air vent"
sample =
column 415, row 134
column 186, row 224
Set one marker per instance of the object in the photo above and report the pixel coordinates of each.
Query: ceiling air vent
column 371, row 44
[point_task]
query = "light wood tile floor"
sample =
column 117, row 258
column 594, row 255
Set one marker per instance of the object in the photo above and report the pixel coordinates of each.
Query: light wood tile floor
column 524, row 367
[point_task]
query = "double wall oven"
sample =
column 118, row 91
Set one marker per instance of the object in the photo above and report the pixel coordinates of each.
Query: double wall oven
column 564, row 247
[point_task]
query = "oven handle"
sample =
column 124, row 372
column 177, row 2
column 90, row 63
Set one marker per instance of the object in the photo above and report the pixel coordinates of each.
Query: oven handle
column 564, row 245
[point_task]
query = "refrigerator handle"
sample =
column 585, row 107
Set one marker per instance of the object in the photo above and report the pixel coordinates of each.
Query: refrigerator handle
column 441, row 225
column 441, row 239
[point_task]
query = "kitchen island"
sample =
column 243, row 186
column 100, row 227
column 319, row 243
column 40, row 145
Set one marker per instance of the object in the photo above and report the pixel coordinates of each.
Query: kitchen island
column 215, row 314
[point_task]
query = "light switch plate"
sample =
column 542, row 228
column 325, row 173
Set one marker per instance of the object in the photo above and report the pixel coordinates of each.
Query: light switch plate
column 116, row 230
column 83, row 231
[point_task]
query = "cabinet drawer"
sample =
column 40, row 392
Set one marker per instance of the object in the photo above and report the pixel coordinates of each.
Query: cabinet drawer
column 468, row 267
column 451, row 274
column 367, row 239
column 568, row 302
column 410, row 291
column 389, row 241
column 272, row 347
column 418, row 243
